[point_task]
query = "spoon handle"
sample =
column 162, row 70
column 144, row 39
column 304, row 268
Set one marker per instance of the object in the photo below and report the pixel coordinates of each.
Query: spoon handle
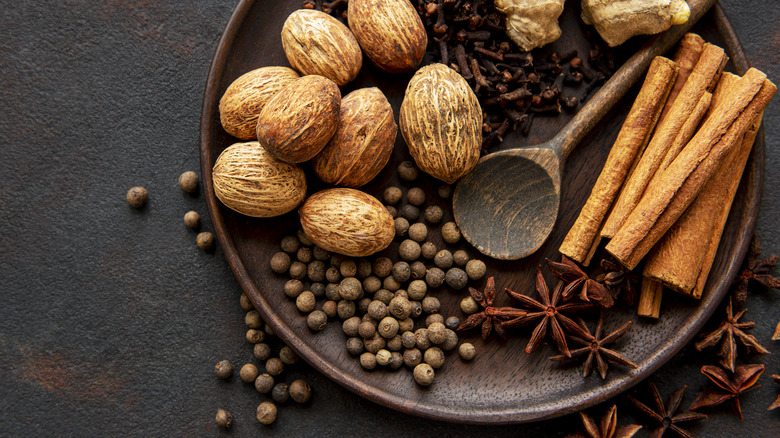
column 618, row 85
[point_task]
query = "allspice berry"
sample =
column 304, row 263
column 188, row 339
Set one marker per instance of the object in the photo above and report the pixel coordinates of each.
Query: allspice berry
column 451, row 341
column 264, row 383
column 433, row 214
column 288, row 356
column 293, row 288
column 137, row 197
column 407, row 171
column 245, row 303
column 428, row 250
column 317, row 320
column 248, row 373
column 401, row 272
column 368, row 360
column 255, row 336
column 467, row 351
column 423, row 374
column 409, row 250
column 469, row 305
column 433, row 318
column 412, row 357
column 456, row 278
column 330, row 309
column 437, row 333
column 460, row 258
column 192, row 219
column 409, row 212
column 418, row 232
column 350, row 288
column 476, row 269
column 434, row 357
column 383, row 266
column 444, row 191
column 223, row 369
column 388, row 327
column 300, row 391
column 431, row 305
column 443, row 259
column 262, row 351
column 392, row 195
column 280, row 393
column 354, row 346
column 452, row 322
column 223, row 418
column 434, row 277
column 280, row 262
column 253, row 319
column 400, row 308
column 418, row 270
column 415, row 196
column 266, row 412
column 401, row 226
column 306, row 301
column 188, row 181
column 290, row 244
column 383, row 357
column 450, row 232
column 205, row 241
column 274, row 366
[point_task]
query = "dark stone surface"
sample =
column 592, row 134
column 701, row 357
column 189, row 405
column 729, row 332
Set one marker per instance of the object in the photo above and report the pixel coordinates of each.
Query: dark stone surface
column 111, row 319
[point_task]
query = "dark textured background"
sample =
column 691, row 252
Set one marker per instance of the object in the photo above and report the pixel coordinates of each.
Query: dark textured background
column 111, row 319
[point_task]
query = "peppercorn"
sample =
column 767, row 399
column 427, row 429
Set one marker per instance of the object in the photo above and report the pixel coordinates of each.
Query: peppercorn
column 290, row 244
column 416, row 309
column 450, row 232
column 388, row 327
column 415, row 196
column 434, row 357
column 293, row 288
column 469, row 305
column 418, row 270
column 423, row 374
column 377, row 310
column 280, row 393
column 409, row 250
column 223, row 369
column 137, row 197
column 316, row 271
column 437, row 333
column 374, row 344
column 287, row 356
column 417, row 290
column 350, row 326
column 433, row 214
column 300, row 391
column 444, row 191
column 452, row 322
column 298, row 270
column 253, row 319
column 460, row 258
column 331, row 292
column 451, row 341
column 405, row 325
column 401, row 226
column 382, row 357
column 407, row 171
column 274, row 366
column 430, row 304
column 393, row 212
column 372, row 284
column 391, row 284
column 412, row 357
column 305, row 301
column 467, row 351
column 223, row 418
column 254, row 336
column 383, row 266
column 248, row 373
column 318, row 289
column 333, row 275
column 346, row 309
column 400, row 308
column 348, row 268
column 408, row 339
column 366, row 329
column 362, row 305
column 188, row 181
column 434, row 277
column 350, row 288
column 264, row 383
column 418, row 232
column 423, row 342
column 192, row 219
column 396, row 360
column 368, row 360
column 266, row 412
column 303, row 238
column 475, row 269
column 395, row 343
column 428, row 250
column 363, row 269
column 320, row 254
column 262, row 351
column 304, row 254
column 317, row 320
column 443, row 259
column 384, row 296
column 354, row 346
column 434, row 317
column 410, row 212
column 268, row 330
column 245, row 303
column 392, row 195
column 401, row 272
column 205, row 241
column 456, row 278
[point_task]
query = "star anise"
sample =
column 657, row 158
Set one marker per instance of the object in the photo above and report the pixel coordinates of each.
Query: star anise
column 664, row 415
column 490, row 318
column 598, row 354
column 608, row 427
column 776, row 334
column 745, row 378
column 577, row 280
column 756, row 269
column 776, row 403
column 729, row 334
column 549, row 312
column 620, row 280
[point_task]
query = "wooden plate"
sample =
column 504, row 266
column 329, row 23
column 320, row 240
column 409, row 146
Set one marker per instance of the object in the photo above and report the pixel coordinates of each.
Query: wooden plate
column 504, row 384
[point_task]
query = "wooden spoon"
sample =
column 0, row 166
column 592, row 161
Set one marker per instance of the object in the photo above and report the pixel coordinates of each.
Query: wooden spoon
column 508, row 204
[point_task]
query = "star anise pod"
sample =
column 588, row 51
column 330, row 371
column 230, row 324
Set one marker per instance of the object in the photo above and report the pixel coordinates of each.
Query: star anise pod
column 745, row 378
column 665, row 415
column 577, row 280
column 620, row 281
column 549, row 312
column 598, row 354
column 756, row 269
column 490, row 318
column 776, row 334
column 608, row 427
column 729, row 334
column 776, row 403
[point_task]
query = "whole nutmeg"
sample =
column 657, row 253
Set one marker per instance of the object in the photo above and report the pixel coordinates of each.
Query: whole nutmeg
column 363, row 142
column 246, row 96
column 347, row 221
column 299, row 121
column 250, row 181
column 317, row 44
column 390, row 33
column 441, row 121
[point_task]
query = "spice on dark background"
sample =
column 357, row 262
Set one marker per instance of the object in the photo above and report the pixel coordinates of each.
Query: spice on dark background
column 664, row 415
column 595, row 347
column 607, row 427
column 728, row 388
column 490, row 319
column 756, row 269
column 578, row 281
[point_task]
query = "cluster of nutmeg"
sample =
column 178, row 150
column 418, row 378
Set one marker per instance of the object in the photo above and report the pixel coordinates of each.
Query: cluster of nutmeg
column 287, row 119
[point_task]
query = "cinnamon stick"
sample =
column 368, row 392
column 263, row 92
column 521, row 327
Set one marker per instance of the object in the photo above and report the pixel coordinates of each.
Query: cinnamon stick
column 687, row 55
column 650, row 299
column 633, row 135
column 707, row 69
column 687, row 174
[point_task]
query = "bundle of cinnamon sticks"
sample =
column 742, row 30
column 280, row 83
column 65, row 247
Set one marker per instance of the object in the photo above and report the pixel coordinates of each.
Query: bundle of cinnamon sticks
column 665, row 192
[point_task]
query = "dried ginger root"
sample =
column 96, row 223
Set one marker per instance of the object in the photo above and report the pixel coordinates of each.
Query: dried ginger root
column 618, row 20
column 531, row 23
